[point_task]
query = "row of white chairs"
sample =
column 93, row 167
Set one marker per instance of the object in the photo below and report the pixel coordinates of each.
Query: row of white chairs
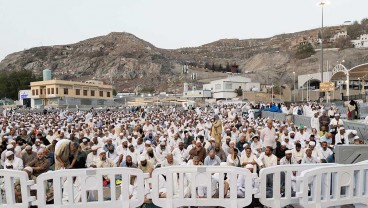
column 321, row 185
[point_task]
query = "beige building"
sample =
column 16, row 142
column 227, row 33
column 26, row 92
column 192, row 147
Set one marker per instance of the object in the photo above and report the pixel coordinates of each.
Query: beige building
column 63, row 93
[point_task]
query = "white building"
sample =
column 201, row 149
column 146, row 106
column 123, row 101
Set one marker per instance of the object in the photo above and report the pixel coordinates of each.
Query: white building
column 24, row 98
column 194, row 93
column 362, row 42
column 198, row 94
column 225, row 88
column 339, row 35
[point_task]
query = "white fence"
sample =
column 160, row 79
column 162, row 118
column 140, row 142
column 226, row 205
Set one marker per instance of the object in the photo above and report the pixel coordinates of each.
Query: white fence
column 316, row 185
column 14, row 183
column 85, row 188
column 183, row 184
column 334, row 186
column 278, row 185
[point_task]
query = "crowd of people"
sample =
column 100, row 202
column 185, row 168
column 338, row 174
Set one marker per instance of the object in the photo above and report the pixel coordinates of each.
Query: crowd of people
column 146, row 139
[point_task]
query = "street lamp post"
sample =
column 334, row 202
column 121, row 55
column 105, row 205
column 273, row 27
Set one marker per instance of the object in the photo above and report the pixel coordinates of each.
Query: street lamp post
column 294, row 87
column 359, row 86
column 272, row 93
column 322, row 4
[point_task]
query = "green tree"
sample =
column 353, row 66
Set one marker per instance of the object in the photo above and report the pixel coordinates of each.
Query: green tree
column 227, row 69
column 355, row 30
column 12, row 82
column 220, row 68
column 304, row 51
column 239, row 92
column 343, row 42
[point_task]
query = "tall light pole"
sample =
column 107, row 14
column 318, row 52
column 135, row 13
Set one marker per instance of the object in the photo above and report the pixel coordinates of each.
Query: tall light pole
column 359, row 86
column 294, row 87
column 322, row 4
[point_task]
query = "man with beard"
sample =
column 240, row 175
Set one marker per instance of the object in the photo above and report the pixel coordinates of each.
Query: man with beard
column 92, row 158
column 169, row 161
column 187, row 140
column 28, row 156
column 150, row 138
column 220, row 153
column 12, row 162
column 162, row 150
column 128, row 162
column 212, row 159
column 145, row 165
column 198, row 151
column 123, row 148
column 180, row 153
column 40, row 164
column 150, row 156
column 240, row 144
column 226, row 145
column 104, row 161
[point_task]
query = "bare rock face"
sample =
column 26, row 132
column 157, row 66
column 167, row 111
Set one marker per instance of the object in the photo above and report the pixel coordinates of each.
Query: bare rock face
column 132, row 64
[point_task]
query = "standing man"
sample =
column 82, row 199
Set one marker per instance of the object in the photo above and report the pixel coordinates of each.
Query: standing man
column 216, row 129
column 268, row 135
column 324, row 120
column 63, row 150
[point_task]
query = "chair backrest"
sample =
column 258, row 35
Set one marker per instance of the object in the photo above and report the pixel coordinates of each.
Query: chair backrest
column 334, row 186
column 73, row 187
column 191, row 178
column 274, row 179
column 9, row 179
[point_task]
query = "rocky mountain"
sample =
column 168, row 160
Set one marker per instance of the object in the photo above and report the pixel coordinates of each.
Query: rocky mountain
column 132, row 64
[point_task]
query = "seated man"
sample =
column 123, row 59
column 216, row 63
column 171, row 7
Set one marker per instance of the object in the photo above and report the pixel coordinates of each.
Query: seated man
column 12, row 162
column 169, row 161
column 40, row 164
column 212, row 159
column 104, row 161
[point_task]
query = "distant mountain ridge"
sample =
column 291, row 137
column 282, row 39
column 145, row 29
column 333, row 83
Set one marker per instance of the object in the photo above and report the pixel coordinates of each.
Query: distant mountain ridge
column 132, row 64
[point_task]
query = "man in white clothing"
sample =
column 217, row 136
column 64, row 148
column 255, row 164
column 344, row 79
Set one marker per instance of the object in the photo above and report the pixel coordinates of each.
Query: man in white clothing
column 324, row 152
column 92, row 158
column 342, row 137
column 268, row 135
column 12, row 162
column 180, row 153
column 315, row 121
column 267, row 159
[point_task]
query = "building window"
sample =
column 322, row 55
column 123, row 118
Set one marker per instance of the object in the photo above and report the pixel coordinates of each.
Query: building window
column 48, row 91
column 66, row 91
column 41, row 91
column 200, row 93
column 92, row 93
column 228, row 86
column 101, row 93
column 77, row 91
column 33, row 92
column 36, row 91
column 85, row 92
column 218, row 87
column 52, row 91
column 108, row 94
column 57, row 91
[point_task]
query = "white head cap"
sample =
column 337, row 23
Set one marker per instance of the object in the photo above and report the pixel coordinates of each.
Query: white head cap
column 9, row 153
column 249, row 166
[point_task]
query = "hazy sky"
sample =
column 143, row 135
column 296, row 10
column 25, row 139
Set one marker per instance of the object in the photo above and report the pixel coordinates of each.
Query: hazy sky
column 164, row 23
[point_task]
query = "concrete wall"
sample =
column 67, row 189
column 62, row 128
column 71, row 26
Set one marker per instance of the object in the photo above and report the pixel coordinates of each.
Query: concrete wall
column 314, row 95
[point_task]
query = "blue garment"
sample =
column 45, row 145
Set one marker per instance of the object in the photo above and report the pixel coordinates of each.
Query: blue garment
column 331, row 158
column 273, row 108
